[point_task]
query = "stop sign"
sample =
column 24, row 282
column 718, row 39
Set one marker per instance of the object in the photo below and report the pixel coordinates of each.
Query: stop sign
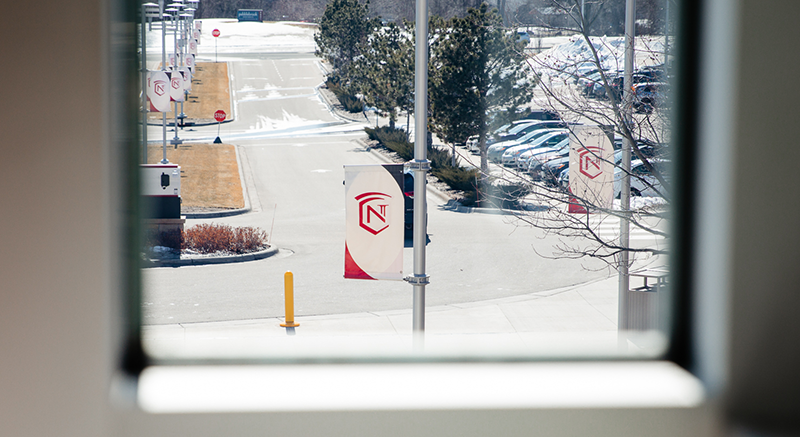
column 220, row 115
column 215, row 33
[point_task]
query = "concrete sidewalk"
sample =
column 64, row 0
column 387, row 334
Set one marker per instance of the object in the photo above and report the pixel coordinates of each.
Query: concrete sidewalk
column 584, row 316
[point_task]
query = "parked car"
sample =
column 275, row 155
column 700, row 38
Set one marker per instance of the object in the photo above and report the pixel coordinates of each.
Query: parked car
column 617, row 81
column 495, row 151
column 514, row 126
column 643, row 183
column 510, row 156
column 534, row 162
column 648, row 95
column 473, row 144
column 524, row 157
column 550, row 171
column 541, row 114
column 524, row 129
column 586, row 84
column 408, row 195
column 563, row 178
column 585, row 70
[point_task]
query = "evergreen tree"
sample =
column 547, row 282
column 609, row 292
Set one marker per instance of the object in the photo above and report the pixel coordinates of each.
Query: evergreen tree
column 476, row 68
column 343, row 29
column 384, row 73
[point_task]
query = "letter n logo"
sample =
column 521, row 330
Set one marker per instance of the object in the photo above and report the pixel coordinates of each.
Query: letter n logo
column 373, row 211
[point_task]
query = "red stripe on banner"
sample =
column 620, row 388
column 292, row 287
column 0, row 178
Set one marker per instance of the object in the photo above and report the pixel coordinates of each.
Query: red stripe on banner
column 351, row 269
column 574, row 206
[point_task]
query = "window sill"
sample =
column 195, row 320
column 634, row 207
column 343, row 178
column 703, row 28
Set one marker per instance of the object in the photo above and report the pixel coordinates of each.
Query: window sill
column 430, row 386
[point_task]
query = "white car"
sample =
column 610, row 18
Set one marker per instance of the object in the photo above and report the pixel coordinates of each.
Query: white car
column 643, row 183
column 550, row 139
column 495, row 151
column 473, row 143
column 536, row 157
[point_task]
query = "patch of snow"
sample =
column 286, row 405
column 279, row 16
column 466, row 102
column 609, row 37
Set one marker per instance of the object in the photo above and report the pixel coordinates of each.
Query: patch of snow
column 244, row 37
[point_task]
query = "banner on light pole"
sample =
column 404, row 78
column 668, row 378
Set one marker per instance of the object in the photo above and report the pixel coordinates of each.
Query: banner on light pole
column 375, row 212
column 591, row 168
column 187, row 78
column 158, row 91
column 176, row 86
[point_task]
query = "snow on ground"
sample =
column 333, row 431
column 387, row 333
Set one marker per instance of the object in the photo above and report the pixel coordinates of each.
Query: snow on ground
column 244, row 37
column 573, row 53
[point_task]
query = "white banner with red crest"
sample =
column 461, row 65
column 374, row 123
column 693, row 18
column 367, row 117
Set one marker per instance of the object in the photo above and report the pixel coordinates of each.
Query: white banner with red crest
column 591, row 169
column 176, row 86
column 374, row 210
column 158, row 91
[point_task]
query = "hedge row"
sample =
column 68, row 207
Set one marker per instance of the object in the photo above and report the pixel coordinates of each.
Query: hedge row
column 458, row 178
column 506, row 196
column 212, row 238
column 350, row 102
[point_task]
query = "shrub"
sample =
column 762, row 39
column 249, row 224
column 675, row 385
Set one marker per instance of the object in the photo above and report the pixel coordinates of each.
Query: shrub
column 210, row 238
column 439, row 158
column 506, row 196
column 394, row 140
column 458, row 178
column 351, row 103
column 334, row 84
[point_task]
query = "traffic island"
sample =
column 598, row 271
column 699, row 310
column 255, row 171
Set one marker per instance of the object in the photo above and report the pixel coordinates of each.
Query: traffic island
column 209, row 176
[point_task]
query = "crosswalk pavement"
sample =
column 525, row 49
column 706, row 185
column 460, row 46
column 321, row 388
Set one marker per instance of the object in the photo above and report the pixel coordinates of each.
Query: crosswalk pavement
column 608, row 228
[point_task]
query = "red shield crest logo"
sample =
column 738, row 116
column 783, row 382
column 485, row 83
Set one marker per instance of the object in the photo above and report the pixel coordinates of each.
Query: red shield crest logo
column 591, row 163
column 160, row 87
column 373, row 214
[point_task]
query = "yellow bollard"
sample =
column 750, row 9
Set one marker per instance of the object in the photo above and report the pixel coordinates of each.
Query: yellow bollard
column 288, row 285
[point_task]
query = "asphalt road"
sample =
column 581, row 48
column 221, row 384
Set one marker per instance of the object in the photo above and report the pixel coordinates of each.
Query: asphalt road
column 293, row 149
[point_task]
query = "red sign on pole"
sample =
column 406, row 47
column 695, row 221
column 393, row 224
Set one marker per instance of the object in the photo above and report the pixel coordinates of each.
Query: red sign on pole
column 220, row 115
column 215, row 33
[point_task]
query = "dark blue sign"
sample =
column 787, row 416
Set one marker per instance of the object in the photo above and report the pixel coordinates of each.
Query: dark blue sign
column 249, row 14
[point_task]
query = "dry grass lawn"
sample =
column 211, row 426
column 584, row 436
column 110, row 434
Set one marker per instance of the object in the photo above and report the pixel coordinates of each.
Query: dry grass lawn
column 210, row 92
column 209, row 174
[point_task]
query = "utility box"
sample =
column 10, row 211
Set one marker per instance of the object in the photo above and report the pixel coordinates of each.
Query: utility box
column 161, row 191
column 249, row 14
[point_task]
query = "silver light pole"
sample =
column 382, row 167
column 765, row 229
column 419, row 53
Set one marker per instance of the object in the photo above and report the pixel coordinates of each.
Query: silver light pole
column 175, row 7
column 163, row 68
column 149, row 11
column 420, row 166
column 144, row 83
column 184, row 54
column 625, row 196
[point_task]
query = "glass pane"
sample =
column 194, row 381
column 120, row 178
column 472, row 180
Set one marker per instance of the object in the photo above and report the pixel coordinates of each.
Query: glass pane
column 270, row 126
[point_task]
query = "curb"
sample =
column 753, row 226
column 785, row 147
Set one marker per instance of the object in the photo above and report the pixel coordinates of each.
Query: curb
column 194, row 123
column 216, row 214
column 455, row 206
column 226, row 259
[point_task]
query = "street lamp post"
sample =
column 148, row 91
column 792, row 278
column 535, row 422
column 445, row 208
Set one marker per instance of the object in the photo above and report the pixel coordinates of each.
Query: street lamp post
column 184, row 54
column 625, row 195
column 420, row 165
column 164, row 17
column 175, row 8
column 149, row 10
